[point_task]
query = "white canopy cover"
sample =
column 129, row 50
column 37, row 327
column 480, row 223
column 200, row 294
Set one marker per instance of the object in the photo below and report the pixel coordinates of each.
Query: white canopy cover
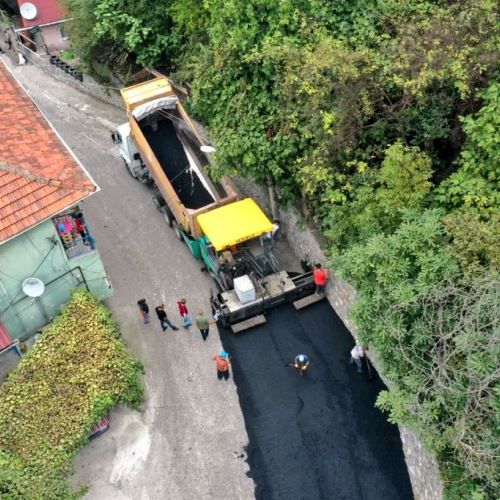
column 150, row 107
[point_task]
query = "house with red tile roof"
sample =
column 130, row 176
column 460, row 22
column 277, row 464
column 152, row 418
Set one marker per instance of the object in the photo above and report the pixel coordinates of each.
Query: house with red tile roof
column 43, row 21
column 44, row 233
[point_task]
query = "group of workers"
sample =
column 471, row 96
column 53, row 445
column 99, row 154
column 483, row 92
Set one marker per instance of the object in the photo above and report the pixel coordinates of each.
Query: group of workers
column 301, row 361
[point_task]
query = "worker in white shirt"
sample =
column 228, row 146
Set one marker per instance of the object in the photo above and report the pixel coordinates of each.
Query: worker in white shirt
column 272, row 236
column 357, row 353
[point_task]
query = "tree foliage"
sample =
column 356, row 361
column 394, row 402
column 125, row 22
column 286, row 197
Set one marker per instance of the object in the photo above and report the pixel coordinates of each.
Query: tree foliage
column 380, row 118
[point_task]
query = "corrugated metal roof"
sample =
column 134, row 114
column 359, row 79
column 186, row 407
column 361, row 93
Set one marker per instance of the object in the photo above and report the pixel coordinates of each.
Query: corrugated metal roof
column 47, row 11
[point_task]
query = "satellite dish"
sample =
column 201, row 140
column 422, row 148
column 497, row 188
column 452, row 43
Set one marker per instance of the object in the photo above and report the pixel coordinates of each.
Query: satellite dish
column 28, row 11
column 33, row 287
column 207, row 149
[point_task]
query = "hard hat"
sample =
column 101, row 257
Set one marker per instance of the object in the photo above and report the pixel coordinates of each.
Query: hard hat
column 301, row 358
column 224, row 354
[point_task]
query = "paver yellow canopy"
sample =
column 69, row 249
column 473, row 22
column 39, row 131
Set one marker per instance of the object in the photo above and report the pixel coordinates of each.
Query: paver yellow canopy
column 234, row 223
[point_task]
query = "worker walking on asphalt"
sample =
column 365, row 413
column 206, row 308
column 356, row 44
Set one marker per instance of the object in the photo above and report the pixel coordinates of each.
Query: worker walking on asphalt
column 203, row 324
column 301, row 362
column 357, row 353
column 222, row 361
column 144, row 309
column 162, row 316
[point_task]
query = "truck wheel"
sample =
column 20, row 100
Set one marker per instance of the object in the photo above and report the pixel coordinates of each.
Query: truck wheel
column 167, row 215
column 158, row 201
column 177, row 230
column 129, row 169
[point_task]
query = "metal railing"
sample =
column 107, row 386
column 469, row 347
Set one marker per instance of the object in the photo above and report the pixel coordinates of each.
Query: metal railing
column 30, row 45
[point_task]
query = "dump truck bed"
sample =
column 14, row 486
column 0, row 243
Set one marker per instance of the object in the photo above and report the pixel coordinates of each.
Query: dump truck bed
column 175, row 161
column 169, row 145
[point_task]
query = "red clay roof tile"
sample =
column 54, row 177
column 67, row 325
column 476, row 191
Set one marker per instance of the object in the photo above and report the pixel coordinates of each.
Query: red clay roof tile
column 39, row 177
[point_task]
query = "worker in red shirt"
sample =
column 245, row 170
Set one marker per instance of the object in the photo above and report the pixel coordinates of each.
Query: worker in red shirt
column 80, row 227
column 320, row 279
column 183, row 311
column 222, row 360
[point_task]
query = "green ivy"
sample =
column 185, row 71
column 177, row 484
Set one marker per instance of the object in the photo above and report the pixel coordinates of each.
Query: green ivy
column 76, row 372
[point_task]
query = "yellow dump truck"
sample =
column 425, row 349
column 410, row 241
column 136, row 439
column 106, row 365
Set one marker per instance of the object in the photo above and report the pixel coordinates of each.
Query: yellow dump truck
column 232, row 236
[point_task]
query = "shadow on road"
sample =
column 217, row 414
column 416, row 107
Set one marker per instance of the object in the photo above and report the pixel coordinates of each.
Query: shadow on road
column 317, row 436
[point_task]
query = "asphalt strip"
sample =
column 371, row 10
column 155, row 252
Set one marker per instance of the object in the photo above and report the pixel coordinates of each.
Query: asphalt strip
column 318, row 436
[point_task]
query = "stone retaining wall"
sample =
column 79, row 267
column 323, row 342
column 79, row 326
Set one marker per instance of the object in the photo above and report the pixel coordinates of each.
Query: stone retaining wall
column 307, row 240
column 88, row 86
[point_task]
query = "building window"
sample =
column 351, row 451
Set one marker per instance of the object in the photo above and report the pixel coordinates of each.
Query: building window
column 74, row 233
column 64, row 35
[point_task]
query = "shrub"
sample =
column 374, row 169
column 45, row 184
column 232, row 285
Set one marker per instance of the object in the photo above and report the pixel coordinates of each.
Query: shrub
column 75, row 373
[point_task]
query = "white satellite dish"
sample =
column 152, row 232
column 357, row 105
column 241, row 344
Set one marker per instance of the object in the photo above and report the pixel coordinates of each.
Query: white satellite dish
column 28, row 11
column 33, row 287
column 207, row 149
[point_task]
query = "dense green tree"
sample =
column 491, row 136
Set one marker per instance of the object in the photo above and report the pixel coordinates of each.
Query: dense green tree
column 381, row 119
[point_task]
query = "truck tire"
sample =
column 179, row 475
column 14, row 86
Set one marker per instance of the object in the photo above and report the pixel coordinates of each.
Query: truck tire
column 129, row 169
column 167, row 215
column 177, row 230
column 158, row 200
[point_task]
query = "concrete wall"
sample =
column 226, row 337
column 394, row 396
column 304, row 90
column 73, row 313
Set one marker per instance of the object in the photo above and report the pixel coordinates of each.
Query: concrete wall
column 33, row 254
column 53, row 38
column 89, row 85
column 307, row 240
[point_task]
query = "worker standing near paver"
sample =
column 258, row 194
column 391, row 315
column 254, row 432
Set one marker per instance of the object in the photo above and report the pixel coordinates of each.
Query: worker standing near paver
column 301, row 362
column 357, row 353
column 320, row 279
column 203, row 323
column 222, row 361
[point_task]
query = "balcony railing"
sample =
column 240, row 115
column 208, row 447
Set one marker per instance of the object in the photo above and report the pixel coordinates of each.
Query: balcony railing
column 74, row 233
column 79, row 246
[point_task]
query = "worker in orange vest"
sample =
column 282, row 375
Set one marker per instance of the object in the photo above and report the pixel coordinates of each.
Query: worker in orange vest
column 222, row 361
column 320, row 279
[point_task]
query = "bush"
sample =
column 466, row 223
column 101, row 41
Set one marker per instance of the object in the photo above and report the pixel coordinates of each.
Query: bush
column 67, row 55
column 75, row 373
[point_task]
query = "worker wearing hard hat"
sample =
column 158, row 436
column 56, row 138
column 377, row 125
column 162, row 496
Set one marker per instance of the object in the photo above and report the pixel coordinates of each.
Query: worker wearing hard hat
column 222, row 361
column 301, row 362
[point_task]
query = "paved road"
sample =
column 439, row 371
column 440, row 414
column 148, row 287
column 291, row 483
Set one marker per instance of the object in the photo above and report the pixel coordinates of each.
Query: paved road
column 318, row 436
column 313, row 438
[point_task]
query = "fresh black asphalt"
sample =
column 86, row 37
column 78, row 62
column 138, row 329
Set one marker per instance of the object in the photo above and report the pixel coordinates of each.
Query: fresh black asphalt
column 318, row 436
column 169, row 152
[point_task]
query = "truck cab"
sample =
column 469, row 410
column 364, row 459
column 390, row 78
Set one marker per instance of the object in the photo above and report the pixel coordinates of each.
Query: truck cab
column 130, row 154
